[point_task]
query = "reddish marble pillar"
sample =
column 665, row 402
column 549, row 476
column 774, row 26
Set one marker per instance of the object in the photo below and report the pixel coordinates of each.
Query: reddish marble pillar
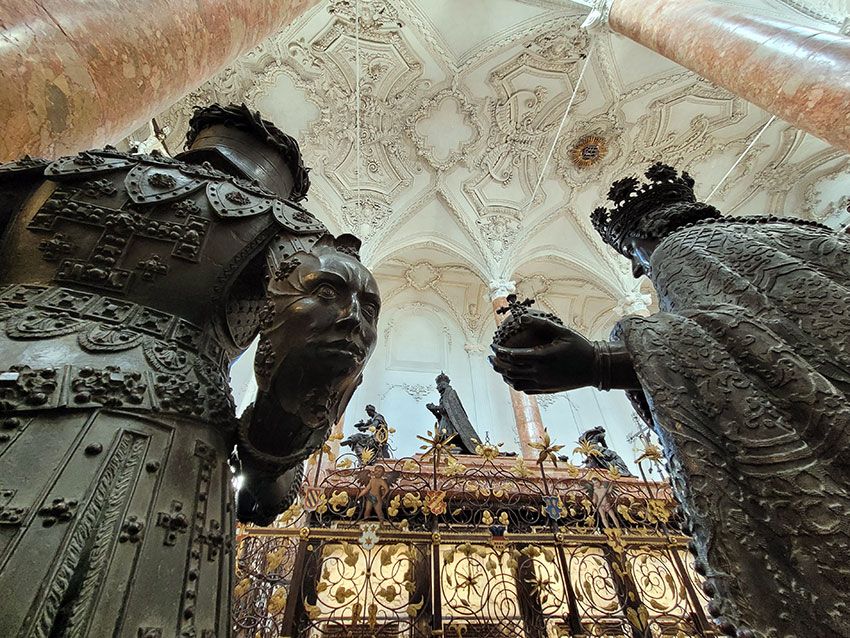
column 77, row 75
column 800, row 74
column 529, row 423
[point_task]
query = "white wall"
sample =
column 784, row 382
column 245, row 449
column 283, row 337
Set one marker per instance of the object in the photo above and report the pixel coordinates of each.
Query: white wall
column 418, row 341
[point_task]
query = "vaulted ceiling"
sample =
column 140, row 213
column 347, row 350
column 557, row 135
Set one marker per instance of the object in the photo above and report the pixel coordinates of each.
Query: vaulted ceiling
column 463, row 174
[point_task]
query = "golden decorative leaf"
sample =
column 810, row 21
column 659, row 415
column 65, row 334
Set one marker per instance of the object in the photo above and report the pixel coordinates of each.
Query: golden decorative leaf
column 277, row 601
column 413, row 608
column 350, row 554
column 242, row 587
column 343, row 593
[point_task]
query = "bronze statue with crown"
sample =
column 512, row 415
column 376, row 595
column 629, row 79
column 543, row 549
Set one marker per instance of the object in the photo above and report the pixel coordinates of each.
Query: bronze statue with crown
column 452, row 418
column 744, row 373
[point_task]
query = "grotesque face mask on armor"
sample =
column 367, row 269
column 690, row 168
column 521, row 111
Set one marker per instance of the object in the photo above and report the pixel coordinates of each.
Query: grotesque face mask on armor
column 320, row 327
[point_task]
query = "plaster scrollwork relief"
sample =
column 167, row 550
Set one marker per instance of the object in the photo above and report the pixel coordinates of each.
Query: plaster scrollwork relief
column 418, row 391
column 474, row 318
column 374, row 15
column 563, row 43
column 531, row 97
column 778, row 174
column 660, row 130
column 422, row 275
column 389, row 83
column 468, row 128
column 365, row 215
column 500, row 231
column 831, row 11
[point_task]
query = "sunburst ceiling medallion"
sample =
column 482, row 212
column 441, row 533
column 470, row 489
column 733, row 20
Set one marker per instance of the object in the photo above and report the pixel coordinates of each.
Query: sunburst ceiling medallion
column 589, row 150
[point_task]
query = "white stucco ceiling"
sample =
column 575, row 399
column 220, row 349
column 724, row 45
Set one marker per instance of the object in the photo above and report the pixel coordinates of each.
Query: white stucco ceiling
column 460, row 105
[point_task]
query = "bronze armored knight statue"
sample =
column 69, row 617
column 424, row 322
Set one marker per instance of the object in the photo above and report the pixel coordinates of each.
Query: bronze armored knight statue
column 127, row 285
column 745, row 375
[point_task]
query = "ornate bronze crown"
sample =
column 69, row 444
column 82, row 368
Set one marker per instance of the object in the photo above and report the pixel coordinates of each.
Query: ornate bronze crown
column 442, row 377
column 632, row 200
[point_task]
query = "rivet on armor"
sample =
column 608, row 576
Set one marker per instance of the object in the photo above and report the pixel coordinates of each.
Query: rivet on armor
column 93, row 449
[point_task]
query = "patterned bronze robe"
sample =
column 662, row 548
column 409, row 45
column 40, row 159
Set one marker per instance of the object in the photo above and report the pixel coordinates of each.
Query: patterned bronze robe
column 746, row 370
column 454, row 420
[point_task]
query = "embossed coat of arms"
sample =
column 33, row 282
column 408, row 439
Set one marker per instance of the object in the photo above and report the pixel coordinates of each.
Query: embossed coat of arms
column 435, row 500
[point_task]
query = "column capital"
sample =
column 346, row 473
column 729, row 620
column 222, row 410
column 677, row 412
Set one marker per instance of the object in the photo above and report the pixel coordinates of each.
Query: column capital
column 597, row 19
column 634, row 303
column 501, row 288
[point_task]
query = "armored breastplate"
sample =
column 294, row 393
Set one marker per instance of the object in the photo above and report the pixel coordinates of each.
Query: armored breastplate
column 155, row 231
column 151, row 230
column 137, row 255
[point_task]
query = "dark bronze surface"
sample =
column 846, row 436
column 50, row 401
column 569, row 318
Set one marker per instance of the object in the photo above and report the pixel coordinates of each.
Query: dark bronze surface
column 373, row 435
column 601, row 456
column 745, row 375
column 452, row 418
column 127, row 285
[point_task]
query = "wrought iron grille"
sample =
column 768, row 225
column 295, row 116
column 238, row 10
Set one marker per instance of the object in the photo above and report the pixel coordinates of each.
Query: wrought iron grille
column 473, row 547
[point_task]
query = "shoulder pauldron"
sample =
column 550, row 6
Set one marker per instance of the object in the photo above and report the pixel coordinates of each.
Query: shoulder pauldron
column 156, row 179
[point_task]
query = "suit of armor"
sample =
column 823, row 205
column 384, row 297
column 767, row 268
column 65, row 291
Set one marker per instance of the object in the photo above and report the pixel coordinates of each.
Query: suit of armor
column 127, row 285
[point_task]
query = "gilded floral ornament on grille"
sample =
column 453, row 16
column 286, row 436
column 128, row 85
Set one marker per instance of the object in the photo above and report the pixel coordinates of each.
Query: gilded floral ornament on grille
column 277, row 601
column 588, row 150
column 453, row 468
column 651, row 453
column 437, row 443
column 587, row 449
column 487, row 450
column 410, row 466
column 547, row 450
column 520, row 468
